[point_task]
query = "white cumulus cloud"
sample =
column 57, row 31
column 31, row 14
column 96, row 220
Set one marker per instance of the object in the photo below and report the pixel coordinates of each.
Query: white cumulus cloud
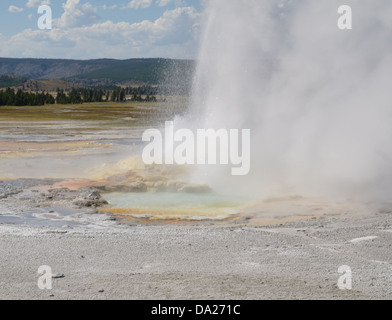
column 15, row 9
column 139, row 4
column 106, row 7
column 143, row 4
column 37, row 3
column 163, row 3
column 77, row 14
column 173, row 35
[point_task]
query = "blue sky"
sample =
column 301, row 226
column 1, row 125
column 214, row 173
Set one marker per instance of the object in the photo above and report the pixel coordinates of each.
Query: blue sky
column 88, row 29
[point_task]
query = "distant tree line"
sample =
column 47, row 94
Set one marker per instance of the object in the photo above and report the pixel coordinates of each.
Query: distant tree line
column 82, row 95
column 77, row 96
column 144, row 90
column 165, row 90
column 120, row 95
column 9, row 97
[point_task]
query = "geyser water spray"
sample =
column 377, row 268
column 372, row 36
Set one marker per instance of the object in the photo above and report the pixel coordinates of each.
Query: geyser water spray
column 316, row 98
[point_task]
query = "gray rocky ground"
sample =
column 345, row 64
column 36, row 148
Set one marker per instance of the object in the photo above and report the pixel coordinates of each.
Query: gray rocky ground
column 94, row 257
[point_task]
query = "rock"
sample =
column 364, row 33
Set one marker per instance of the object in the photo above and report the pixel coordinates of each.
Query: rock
column 92, row 198
column 95, row 195
column 87, row 203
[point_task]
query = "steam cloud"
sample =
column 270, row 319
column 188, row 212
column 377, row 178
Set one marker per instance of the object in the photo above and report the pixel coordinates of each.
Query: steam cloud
column 317, row 99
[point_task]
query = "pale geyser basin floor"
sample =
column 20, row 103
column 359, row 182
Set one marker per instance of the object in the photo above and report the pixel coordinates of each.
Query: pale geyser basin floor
column 297, row 260
column 66, row 141
column 281, row 248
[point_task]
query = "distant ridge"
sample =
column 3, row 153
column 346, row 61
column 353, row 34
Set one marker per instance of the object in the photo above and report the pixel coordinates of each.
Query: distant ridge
column 101, row 71
column 32, row 85
column 10, row 80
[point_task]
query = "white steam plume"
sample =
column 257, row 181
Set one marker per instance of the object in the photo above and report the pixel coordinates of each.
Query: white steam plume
column 317, row 99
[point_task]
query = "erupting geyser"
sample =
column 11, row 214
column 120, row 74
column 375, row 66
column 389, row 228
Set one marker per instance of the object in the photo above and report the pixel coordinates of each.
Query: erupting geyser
column 316, row 98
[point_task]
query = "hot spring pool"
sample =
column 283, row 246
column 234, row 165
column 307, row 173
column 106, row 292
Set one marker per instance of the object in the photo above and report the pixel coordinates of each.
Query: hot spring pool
column 165, row 205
